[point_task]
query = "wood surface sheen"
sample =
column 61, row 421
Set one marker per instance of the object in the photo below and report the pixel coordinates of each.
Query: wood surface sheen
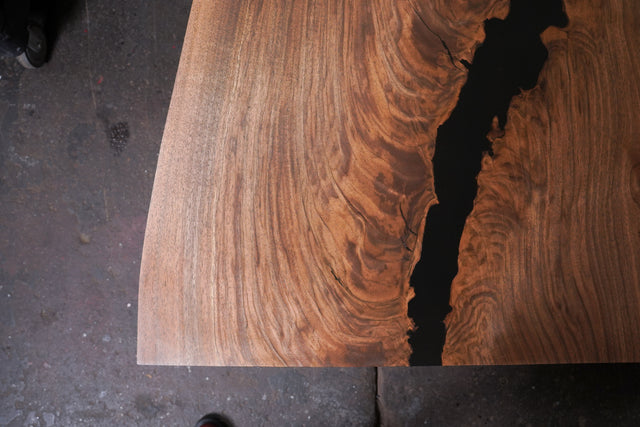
column 294, row 178
column 550, row 256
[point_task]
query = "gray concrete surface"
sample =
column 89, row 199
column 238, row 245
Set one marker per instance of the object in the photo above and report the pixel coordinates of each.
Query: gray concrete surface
column 527, row 396
column 78, row 146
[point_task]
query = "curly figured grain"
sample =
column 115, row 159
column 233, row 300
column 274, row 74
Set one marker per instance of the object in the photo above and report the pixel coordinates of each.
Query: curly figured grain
column 293, row 180
column 549, row 266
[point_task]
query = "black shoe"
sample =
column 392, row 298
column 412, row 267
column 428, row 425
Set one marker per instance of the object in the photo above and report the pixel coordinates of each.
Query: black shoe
column 213, row 420
column 35, row 54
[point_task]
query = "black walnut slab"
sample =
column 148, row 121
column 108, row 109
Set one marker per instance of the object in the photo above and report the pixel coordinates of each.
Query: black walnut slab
column 549, row 266
column 294, row 178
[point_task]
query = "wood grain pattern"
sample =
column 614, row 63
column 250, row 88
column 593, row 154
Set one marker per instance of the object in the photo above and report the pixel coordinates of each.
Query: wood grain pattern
column 294, row 178
column 550, row 257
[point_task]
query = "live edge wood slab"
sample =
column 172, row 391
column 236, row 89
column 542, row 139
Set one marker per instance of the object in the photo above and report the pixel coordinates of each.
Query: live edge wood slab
column 550, row 256
column 295, row 176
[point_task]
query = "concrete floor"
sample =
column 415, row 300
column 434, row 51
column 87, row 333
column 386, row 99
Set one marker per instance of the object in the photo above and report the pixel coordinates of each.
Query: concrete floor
column 78, row 146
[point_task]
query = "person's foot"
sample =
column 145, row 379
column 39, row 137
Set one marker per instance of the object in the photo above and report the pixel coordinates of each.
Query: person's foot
column 213, row 420
column 35, row 54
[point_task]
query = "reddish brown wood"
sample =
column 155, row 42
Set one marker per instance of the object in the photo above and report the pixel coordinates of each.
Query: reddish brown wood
column 294, row 178
column 550, row 256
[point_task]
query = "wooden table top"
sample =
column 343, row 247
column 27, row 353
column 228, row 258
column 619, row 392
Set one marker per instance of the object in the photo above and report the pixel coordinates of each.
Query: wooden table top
column 295, row 176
